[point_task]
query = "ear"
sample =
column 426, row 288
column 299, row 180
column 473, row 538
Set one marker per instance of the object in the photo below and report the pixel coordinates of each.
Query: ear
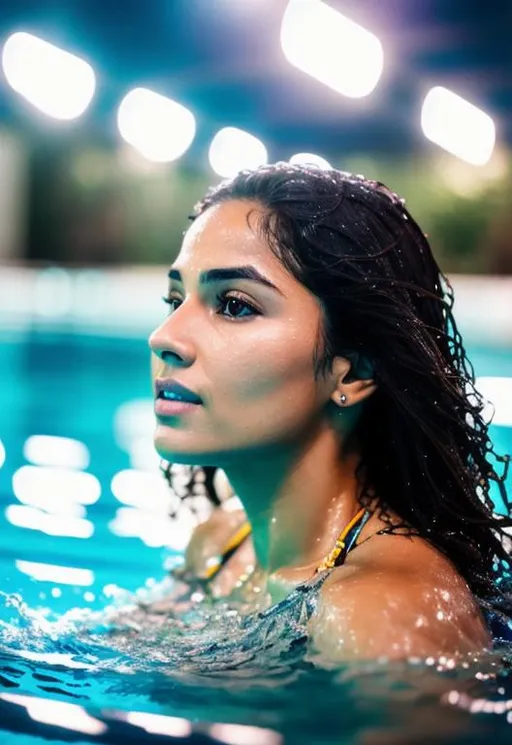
column 360, row 366
column 353, row 375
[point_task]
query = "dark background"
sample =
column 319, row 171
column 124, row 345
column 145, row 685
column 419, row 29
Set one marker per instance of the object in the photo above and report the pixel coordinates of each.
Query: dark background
column 86, row 203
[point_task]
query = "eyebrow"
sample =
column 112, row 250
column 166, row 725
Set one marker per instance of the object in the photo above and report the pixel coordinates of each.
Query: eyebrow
column 230, row 272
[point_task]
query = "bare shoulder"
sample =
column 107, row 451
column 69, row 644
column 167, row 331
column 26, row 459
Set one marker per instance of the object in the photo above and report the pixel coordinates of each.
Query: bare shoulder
column 397, row 598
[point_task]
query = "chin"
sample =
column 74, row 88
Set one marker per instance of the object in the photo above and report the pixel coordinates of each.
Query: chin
column 184, row 456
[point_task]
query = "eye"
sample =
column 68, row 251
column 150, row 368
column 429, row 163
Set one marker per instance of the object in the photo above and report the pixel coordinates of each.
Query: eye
column 227, row 301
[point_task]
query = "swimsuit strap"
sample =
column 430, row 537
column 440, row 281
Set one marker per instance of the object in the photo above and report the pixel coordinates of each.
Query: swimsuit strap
column 229, row 549
column 346, row 542
column 335, row 557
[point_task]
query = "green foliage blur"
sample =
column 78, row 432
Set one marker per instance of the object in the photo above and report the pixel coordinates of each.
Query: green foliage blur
column 100, row 205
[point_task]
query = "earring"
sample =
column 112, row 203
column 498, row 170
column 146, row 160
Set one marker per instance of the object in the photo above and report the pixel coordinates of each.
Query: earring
column 343, row 399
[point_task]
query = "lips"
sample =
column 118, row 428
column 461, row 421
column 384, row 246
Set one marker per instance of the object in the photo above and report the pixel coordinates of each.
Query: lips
column 179, row 392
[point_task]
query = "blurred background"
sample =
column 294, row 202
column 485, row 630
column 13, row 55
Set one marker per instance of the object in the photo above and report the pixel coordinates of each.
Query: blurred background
column 114, row 119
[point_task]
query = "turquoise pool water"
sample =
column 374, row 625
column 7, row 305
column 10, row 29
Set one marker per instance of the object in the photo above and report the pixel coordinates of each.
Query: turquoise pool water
column 96, row 391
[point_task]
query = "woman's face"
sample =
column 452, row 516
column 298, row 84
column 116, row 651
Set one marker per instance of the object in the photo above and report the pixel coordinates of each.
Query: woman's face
column 252, row 369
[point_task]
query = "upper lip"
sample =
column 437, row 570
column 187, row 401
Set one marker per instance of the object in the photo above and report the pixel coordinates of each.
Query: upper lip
column 166, row 384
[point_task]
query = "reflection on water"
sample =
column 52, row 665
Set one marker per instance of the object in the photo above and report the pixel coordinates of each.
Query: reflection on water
column 128, row 657
column 91, row 514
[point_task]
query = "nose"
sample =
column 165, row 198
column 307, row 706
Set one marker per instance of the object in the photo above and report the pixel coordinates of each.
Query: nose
column 169, row 348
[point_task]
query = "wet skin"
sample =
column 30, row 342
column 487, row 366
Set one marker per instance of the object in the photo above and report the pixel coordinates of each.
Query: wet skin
column 277, row 431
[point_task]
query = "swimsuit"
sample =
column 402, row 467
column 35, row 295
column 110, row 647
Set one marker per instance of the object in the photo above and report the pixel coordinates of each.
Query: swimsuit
column 265, row 638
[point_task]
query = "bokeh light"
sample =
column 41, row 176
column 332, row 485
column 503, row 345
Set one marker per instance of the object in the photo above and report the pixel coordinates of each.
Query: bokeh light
column 458, row 126
column 323, row 43
column 56, row 82
column 46, row 450
column 310, row 159
column 56, row 573
column 233, row 149
column 30, row 482
column 158, row 127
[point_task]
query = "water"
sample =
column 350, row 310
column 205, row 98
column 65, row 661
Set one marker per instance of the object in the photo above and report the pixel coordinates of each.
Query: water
column 66, row 675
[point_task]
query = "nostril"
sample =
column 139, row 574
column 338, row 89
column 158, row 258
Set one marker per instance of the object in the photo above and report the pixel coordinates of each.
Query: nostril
column 170, row 357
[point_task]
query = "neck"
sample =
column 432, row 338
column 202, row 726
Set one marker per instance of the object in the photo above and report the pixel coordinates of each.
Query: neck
column 297, row 500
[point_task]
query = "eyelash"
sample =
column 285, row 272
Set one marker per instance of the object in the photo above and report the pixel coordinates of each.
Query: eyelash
column 224, row 297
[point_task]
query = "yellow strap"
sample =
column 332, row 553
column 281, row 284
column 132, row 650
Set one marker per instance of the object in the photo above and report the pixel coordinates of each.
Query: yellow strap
column 351, row 524
column 235, row 541
column 239, row 536
column 244, row 531
column 330, row 560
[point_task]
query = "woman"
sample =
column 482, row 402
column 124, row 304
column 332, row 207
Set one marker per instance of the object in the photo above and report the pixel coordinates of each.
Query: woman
column 326, row 377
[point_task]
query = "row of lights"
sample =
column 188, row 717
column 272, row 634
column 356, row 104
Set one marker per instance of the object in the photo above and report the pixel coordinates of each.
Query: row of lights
column 54, row 490
column 315, row 38
column 76, row 718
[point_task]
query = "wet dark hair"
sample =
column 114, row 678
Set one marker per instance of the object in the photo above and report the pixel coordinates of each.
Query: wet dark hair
column 424, row 444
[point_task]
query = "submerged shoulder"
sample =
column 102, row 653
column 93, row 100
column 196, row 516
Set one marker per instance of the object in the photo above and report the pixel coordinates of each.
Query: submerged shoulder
column 210, row 537
column 381, row 605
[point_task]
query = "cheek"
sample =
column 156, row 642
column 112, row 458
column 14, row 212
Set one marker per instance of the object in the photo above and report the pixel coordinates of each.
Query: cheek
column 277, row 364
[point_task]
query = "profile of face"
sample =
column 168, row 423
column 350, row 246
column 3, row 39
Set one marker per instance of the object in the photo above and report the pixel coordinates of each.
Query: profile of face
column 245, row 347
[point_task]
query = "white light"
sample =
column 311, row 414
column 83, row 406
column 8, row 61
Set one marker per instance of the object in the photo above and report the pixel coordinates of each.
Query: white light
column 134, row 421
column 152, row 529
column 61, row 714
column 458, row 126
column 55, row 81
column 134, row 424
column 158, row 724
column 497, row 391
column 45, row 450
column 54, row 573
column 58, row 713
column 158, row 127
column 323, row 43
column 52, row 504
column 32, row 518
column 53, row 658
column 233, row 150
column 241, row 734
column 2, row 454
column 143, row 455
column 30, row 482
column 149, row 491
column 305, row 159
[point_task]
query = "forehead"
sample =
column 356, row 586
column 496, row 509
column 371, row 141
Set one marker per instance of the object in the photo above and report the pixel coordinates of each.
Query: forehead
column 228, row 234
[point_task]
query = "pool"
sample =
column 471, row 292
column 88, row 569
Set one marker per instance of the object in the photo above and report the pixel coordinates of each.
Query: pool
column 76, row 537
